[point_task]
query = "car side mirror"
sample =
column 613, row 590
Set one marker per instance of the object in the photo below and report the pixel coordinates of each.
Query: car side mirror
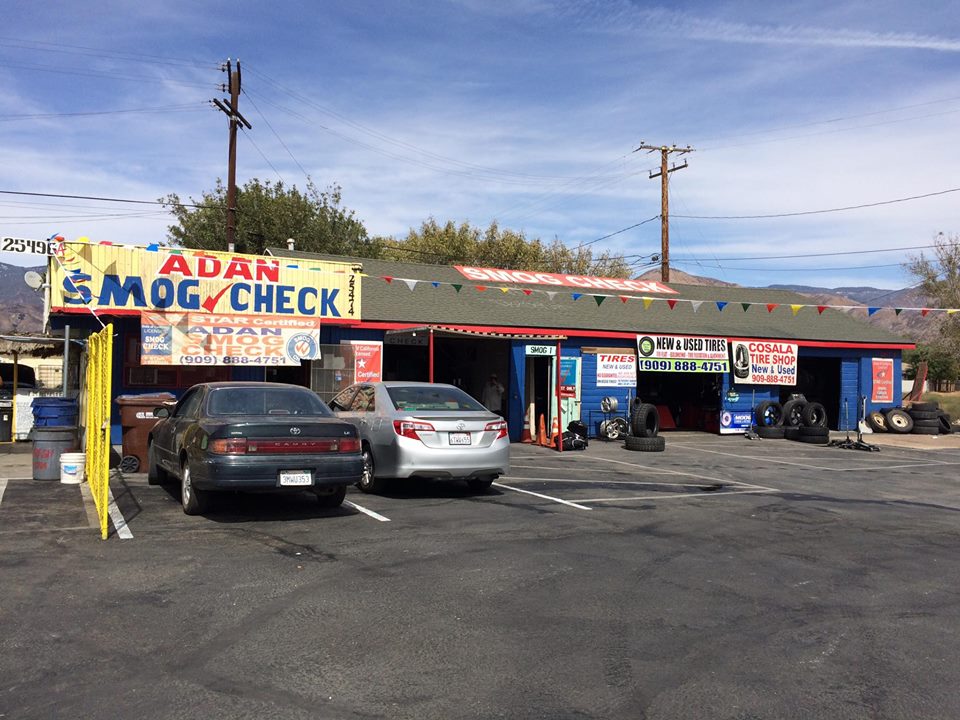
column 161, row 412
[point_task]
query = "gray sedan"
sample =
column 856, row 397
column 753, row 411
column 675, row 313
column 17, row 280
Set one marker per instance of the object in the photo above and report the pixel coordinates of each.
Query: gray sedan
column 411, row 429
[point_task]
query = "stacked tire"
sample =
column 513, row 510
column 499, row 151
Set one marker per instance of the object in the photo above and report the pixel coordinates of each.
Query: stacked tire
column 798, row 420
column 919, row 419
column 644, row 428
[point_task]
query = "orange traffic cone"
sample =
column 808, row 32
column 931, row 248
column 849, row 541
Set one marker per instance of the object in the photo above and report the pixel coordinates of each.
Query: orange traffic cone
column 554, row 432
column 525, row 436
column 542, row 437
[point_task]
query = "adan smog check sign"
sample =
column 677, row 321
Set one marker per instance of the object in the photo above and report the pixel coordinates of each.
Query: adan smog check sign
column 129, row 280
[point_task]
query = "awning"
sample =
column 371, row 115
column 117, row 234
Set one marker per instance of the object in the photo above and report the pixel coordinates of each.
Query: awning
column 459, row 332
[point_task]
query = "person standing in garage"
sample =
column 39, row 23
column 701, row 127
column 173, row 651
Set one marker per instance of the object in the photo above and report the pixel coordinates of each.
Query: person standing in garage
column 492, row 396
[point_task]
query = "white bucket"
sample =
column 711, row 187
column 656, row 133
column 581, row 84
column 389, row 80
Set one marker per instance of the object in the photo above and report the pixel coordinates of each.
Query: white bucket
column 71, row 468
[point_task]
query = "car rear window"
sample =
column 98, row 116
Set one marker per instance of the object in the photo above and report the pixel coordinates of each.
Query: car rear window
column 266, row 401
column 429, row 397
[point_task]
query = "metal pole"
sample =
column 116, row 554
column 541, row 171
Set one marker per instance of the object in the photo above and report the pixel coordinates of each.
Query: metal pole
column 66, row 358
column 13, row 409
column 430, row 351
column 559, row 407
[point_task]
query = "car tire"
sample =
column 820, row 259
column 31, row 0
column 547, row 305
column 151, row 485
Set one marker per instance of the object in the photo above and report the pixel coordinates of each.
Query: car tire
column 617, row 427
column 645, row 421
column 369, row 482
column 925, row 406
column 946, row 426
column 193, row 501
column 877, row 421
column 769, row 413
column 479, row 485
column 334, row 499
column 793, row 412
column 156, row 475
column 814, row 415
column 923, row 414
column 814, row 431
column 769, row 433
column 814, row 439
column 925, row 430
column 899, row 421
column 645, row 444
column 791, row 432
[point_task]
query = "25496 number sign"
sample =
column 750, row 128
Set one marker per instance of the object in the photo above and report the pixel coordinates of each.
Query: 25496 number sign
column 28, row 246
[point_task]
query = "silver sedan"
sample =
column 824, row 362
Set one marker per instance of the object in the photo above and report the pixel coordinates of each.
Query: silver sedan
column 411, row 429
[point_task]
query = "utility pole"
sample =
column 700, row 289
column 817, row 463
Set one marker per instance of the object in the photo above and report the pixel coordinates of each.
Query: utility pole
column 664, row 199
column 232, row 112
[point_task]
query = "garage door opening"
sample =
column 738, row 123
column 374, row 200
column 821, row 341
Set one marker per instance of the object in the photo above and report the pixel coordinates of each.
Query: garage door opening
column 692, row 399
column 819, row 381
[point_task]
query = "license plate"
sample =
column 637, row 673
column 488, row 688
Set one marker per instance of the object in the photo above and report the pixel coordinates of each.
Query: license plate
column 460, row 438
column 295, row 477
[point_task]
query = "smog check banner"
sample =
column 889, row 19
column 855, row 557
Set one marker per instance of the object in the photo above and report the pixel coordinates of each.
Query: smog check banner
column 122, row 279
column 210, row 339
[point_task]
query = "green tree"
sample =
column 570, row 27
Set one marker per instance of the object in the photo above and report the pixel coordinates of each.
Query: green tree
column 267, row 214
column 942, row 364
column 939, row 279
column 452, row 244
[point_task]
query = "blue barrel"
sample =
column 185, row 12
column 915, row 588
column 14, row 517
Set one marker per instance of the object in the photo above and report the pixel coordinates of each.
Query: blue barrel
column 54, row 412
column 48, row 444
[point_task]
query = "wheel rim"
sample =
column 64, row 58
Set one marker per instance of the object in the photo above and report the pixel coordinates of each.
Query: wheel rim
column 186, row 487
column 366, row 480
column 898, row 421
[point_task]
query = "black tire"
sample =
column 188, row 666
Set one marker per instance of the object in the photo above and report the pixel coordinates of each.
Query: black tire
column 769, row 413
column 645, row 420
column 814, row 431
column 156, row 475
column 479, row 485
column 769, row 433
column 925, row 430
column 791, row 433
column 813, row 439
column 899, row 421
column 814, row 415
column 334, row 499
column 923, row 414
column 877, row 421
column 793, row 412
column 925, row 406
column 193, row 501
column 944, row 420
column 926, row 423
column 644, row 444
column 369, row 482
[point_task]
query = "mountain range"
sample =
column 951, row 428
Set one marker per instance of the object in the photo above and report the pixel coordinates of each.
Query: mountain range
column 21, row 308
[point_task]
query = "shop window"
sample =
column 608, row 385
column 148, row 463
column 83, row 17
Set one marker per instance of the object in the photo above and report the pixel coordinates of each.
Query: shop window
column 165, row 376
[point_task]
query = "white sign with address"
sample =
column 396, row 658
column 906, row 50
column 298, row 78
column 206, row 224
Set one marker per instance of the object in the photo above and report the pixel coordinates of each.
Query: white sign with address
column 28, row 246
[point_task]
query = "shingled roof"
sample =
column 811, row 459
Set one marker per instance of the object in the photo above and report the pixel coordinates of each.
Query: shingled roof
column 427, row 304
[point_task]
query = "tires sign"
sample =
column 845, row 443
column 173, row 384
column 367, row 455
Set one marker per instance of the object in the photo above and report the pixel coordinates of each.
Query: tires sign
column 682, row 353
column 764, row 362
column 616, row 370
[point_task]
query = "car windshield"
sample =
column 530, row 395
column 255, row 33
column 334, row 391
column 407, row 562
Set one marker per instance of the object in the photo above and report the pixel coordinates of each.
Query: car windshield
column 431, row 397
column 266, row 401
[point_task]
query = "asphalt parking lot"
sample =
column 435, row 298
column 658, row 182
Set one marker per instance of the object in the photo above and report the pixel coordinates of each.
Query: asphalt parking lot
column 723, row 578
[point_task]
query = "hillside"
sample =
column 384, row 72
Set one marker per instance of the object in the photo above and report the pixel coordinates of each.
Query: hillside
column 21, row 308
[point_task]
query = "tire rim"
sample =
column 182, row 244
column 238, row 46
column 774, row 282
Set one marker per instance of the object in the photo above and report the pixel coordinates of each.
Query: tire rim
column 186, row 487
column 898, row 421
column 366, row 480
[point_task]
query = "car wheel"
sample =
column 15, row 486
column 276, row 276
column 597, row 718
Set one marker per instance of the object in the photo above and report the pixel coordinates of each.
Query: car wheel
column 480, row 484
column 877, row 421
column 369, row 482
column 814, row 414
column 156, row 475
column 332, row 499
column 899, row 421
column 645, row 420
column 193, row 501
column 645, row 444
column 793, row 412
column 769, row 413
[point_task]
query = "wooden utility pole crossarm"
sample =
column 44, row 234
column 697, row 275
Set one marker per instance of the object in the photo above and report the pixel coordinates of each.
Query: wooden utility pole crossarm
column 665, row 199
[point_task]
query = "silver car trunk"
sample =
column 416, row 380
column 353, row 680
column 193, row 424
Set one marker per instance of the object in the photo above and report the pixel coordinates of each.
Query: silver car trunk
column 462, row 431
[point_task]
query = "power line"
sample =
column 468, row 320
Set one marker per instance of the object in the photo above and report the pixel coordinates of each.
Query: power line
column 102, row 199
column 818, row 212
column 829, row 254
column 264, row 117
column 161, row 109
column 616, row 232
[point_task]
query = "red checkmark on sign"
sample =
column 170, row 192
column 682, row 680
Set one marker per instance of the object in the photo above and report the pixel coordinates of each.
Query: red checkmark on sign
column 211, row 302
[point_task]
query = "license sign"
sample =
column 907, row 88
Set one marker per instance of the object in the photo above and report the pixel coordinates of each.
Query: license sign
column 459, row 438
column 295, row 477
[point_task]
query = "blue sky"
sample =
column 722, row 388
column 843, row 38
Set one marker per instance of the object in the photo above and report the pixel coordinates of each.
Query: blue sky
column 524, row 112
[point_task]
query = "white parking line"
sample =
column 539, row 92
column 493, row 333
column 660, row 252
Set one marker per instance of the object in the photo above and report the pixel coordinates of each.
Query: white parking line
column 545, row 497
column 684, row 474
column 123, row 532
column 3, row 487
column 365, row 511
column 606, row 482
column 682, row 495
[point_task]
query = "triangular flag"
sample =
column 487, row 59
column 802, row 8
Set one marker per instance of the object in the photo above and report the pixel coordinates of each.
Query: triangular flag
column 551, row 294
column 820, row 309
column 599, row 299
column 897, row 311
column 871, row 311
column 481, row 288
column 695, row 304
column 504, row 290
column 924, row 312
column 456, row 287
column 623, row 299
column 771, row 307
column 527, row 292
column 576, row 296
column 152, row 247
column 952, row 311
column 721, row 305
column 796, row 309
column 647, row 302
column 435, row 284
column 672, row 304
column 388, row 278
column 745, row 306
column 411, row 283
